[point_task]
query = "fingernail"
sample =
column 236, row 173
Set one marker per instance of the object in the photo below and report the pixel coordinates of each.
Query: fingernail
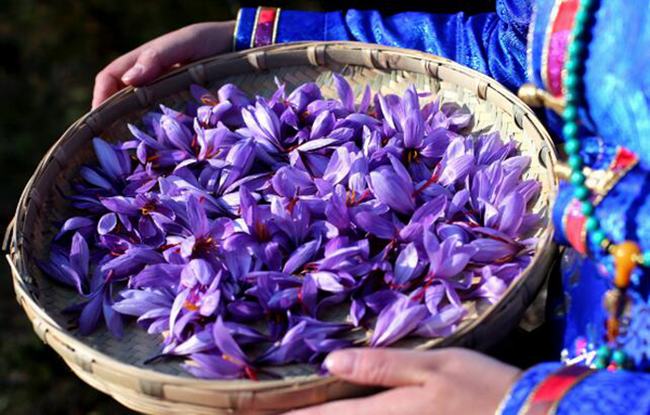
column 340, row 363
column 134, row 72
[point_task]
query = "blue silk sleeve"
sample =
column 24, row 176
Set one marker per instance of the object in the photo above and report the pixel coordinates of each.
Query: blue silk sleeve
column 604, row 392
column 492, row 43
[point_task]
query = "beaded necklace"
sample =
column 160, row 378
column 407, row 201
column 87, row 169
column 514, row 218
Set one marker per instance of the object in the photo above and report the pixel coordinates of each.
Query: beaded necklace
column 627, row 255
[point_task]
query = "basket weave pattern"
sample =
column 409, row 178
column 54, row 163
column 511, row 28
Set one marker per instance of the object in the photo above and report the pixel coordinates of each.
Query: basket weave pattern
column 115, row 366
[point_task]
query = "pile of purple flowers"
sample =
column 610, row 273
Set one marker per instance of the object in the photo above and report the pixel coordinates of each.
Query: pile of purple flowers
column 231, row 230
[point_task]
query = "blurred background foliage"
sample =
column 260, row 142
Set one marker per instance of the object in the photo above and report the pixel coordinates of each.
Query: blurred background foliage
column 50, row 52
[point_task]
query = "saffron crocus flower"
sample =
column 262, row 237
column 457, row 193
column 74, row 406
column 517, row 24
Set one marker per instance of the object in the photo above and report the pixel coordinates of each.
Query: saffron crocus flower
column 442, row 323
column 229, row 363
column 150, row 305
column 71, row 269
column 75, row 224
column 231, row 229
column 296, row 344
column 115, row 163
column 397, row 320
column 447, row 261
column 200, row 236
column 264, row 126
column 393, row 187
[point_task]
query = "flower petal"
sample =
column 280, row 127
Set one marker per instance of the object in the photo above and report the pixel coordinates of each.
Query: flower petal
column 392, row 191
column 406, row 264
column 397, row 321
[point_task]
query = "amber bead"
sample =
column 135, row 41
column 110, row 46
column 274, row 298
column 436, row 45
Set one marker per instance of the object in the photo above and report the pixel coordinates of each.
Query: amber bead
column 625, row 257
column 612, row 328
column 612, row 299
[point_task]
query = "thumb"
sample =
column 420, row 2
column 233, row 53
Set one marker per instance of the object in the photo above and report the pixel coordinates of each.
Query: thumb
column 380, row 367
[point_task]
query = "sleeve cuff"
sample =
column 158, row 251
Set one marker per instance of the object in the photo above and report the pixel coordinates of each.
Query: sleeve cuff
column 244, row 28
column 263, row 26
column 525, row 385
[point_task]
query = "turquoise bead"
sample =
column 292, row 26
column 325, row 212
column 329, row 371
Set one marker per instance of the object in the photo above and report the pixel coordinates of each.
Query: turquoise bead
column 582, row 18
column 619, row 357
column 572, row 146
column 575, row 162
column 600, row 363
column 570, row 113
column 576, row 48
column 592, row 224
column 572, row 98
column 598, row 237
column 577, row 178
column 586, row 4
column 570, row 131
column 581, row 192
column 579, row 32
column 646, row 258
column 573, row 66
column 571, row 81
column 603, row 352
column 587, row 208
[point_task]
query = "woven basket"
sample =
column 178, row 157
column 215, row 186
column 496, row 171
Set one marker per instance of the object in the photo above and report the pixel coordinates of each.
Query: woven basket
column 116, row 366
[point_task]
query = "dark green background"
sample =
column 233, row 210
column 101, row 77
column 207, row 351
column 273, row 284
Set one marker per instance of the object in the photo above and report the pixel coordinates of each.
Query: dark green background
column 50, row 52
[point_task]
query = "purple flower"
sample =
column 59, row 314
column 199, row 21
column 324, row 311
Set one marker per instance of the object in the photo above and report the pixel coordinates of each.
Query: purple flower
column 393, row 187
column 229, row 363
column 302, row 341
column 264, row 126
column 71, row 269
column 232, row 228
column 115, row 164
column 397, row 320
column 151, row 306
column 441, row 324
column 407, row 265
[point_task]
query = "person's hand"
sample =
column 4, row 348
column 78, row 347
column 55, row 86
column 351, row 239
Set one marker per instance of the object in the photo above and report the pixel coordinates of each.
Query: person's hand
column 445, row 381
column 157, row 56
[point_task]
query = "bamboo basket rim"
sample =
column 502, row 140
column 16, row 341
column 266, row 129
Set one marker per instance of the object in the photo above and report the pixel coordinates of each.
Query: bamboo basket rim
column 318, row 54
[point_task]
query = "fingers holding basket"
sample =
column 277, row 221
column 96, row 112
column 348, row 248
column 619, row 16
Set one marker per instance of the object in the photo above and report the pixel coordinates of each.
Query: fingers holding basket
column 380, row 367
column 154, row 58
column 426, row 383
column 393, row 402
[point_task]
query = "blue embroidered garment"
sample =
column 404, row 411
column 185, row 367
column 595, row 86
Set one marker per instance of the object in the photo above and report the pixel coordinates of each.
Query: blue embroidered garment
column 493, row 43
column 618, row 97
